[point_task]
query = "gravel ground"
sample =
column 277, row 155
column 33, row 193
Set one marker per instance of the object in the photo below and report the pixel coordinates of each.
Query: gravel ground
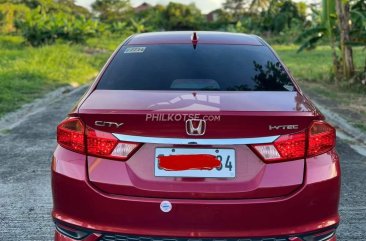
column 25, row 193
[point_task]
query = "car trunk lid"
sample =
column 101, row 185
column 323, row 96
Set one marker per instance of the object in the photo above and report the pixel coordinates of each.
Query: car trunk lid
column 232, row 116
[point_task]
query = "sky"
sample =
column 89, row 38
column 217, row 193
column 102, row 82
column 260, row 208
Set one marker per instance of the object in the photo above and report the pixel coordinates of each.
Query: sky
column 205, row 5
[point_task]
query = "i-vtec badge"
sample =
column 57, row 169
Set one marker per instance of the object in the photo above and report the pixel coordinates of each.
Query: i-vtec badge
column 108, row 124
column 284, row 127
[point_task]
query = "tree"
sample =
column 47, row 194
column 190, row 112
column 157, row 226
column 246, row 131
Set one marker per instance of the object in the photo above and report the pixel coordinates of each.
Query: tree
column 343, row 15
column 73, row 8
column 280, row 15
column 67, row 6
column 40, row 27
column 138, row 25
column 337, row 26
column 302, row 9
column 358, row 16
column 290, row 11
column 112, row 10
column 236, row 8
column 325, row 28
column 259, row 5
column 8, row 13
column 182, row 17
column 154, row 16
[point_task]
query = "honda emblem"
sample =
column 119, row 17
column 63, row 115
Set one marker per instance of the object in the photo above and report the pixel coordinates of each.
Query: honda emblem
column 195, row 127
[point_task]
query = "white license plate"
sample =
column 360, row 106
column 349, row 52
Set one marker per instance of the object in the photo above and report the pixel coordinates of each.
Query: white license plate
column 226, row 156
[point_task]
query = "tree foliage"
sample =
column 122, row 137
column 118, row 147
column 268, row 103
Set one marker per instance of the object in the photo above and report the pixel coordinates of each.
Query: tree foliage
column 259, row 5
column 8, row 13
column 358, row 17
column 342, row 24
column 112, row 10
column 236, row 8
column 266, row 16
column 44, row 21
column 152, row 19
column 40, row 27
column 281, row 15
column 182, row 17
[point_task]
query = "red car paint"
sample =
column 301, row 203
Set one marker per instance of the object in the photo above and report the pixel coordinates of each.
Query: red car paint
column 254, row 178
column 106, row 198
column 144, row 116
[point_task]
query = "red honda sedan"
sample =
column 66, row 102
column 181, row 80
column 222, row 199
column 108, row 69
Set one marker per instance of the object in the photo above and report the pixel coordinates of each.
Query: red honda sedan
column 189, row 136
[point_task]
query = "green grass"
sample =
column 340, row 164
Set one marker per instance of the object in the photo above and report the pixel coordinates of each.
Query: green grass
column 107, row 43
column 312, row 70
column 315, row 65
column 27, row 73
column 361, row 126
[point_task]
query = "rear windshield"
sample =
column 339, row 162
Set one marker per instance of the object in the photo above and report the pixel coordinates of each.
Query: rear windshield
column 207, row 67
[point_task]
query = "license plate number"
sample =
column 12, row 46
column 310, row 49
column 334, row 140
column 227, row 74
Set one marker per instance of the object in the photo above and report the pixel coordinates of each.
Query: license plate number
column 225, row 156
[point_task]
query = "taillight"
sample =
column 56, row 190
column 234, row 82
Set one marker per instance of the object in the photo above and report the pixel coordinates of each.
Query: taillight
column 319, row 139
column 100, row 143
column 322, row 138
column 124, row 149
column 286, row 147
column 70, row 135
column 104, row 144
column 73, row 135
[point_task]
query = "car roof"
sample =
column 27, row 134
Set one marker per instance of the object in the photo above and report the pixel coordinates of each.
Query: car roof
column 185, row 37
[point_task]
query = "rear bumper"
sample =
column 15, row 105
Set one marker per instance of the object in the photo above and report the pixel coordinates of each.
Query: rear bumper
column 313, row 208
column 321, row 235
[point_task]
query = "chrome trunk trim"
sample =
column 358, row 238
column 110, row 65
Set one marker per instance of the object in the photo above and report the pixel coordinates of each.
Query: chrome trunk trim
column 196, row 141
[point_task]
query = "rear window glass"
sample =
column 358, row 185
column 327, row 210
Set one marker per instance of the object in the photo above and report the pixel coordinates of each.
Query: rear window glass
column 208, row 67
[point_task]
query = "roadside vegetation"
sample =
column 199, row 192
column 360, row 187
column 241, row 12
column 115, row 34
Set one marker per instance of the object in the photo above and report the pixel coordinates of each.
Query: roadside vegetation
column 27, row 72
column 316, row 65
column 45, row 44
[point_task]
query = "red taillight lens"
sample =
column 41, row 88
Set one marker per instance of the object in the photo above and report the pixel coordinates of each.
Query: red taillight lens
column 321, row 138
column 70, row 135
column 291, row 146
column 287, row 147
column 100, row 143
column 104, row 144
